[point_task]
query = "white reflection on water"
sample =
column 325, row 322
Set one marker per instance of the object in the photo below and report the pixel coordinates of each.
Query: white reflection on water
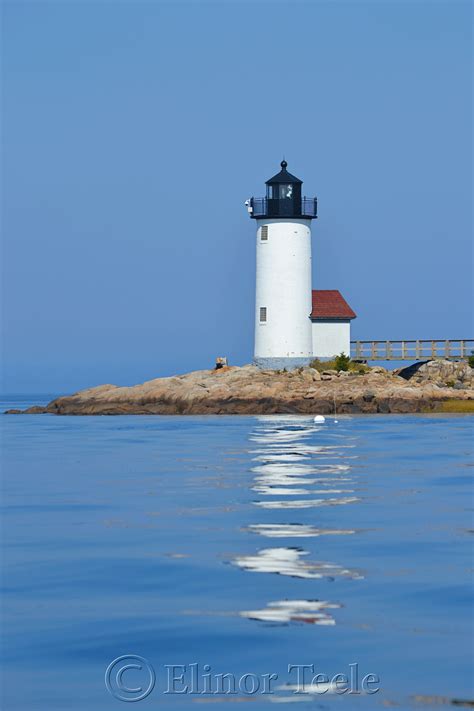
column 289, row 561
column 310, row 612
column 288, row 699
column 280, row 436
column 306, row 503
column 290, row 457
column 291, row 469
column 281, row 491
column 294, row 530
column 308, row 693
column 288, row 465
column 290, row 479
column 282, row 465
column 303, row 449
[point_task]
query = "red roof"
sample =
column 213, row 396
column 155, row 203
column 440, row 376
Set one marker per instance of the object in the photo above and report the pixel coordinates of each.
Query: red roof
column 330, row 304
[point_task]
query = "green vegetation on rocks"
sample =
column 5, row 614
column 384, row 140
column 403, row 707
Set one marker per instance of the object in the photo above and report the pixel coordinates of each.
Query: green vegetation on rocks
column 460, row 406
column 342, row 362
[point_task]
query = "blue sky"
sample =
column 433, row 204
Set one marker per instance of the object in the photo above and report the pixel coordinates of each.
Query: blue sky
column 134, row 131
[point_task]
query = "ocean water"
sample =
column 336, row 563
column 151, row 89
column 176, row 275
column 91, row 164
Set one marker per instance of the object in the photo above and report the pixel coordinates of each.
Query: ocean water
column 236, row 546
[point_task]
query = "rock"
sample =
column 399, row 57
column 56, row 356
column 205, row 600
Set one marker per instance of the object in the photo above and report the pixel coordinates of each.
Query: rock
column 248, row 369
column 330, row 372
column 248, row 390
column 444, row 372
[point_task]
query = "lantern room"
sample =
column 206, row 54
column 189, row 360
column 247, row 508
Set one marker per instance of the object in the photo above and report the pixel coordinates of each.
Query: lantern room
column 283, row 198
column 283, row 193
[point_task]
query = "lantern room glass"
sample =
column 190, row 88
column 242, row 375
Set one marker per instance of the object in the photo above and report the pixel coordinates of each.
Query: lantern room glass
column 286, row 192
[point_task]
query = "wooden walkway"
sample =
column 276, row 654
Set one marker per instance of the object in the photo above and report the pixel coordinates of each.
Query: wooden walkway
column 412, row 350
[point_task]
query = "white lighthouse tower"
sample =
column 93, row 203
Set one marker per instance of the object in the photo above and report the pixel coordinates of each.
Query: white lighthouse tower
column 283, row 327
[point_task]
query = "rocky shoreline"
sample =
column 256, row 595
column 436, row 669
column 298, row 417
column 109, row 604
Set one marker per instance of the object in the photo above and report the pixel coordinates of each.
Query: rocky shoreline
column 247, row 390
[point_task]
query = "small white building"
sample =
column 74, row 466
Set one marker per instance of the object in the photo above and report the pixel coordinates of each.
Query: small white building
column 293, row 324
column 331, row 318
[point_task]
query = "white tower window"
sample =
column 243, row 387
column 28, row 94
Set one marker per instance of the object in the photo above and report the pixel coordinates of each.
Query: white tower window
column 263, row 314
column 264, row 233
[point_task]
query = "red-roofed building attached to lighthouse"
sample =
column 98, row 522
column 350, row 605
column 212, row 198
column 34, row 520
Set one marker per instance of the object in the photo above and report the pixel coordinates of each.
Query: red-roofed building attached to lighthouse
column 331, row 318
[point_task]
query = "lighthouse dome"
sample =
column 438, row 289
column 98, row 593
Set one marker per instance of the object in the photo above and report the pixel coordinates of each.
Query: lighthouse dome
column 284, row 176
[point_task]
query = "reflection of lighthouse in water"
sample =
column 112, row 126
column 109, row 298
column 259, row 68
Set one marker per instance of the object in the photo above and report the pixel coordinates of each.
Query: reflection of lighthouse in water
column 288, row 467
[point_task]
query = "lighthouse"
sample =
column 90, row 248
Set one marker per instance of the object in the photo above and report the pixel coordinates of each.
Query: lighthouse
column 293, row 323
column 283, row 335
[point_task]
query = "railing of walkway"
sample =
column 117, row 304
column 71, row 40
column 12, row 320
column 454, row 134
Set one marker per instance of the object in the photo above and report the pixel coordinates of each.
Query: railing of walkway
column 412, row 350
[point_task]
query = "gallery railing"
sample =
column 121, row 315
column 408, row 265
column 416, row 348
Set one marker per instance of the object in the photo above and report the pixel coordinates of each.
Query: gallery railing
column 268, row 207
